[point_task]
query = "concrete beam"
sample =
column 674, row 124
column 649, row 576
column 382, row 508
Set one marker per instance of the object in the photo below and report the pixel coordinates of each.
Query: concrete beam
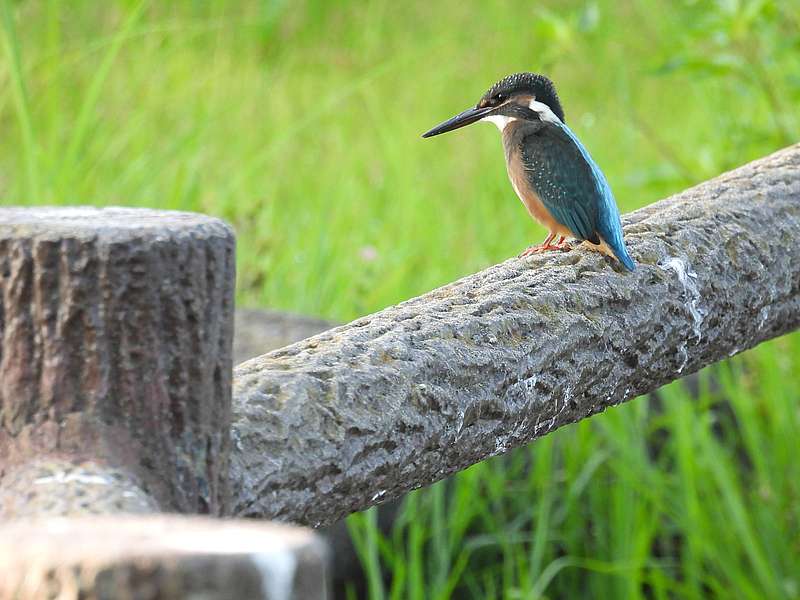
column 407, row 396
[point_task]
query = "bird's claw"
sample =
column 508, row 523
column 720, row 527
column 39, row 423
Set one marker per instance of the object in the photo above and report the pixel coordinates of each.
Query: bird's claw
column 530, row 251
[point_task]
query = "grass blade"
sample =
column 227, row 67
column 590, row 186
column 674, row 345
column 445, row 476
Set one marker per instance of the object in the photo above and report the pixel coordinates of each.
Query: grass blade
column 22, row 103
column 84, row 119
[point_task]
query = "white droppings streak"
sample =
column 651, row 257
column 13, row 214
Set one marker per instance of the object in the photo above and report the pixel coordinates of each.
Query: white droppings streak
column 685, row 354
column 73, row 477
column 763, row 315
column 277, row 573
column 688, row 279
column 460, row 422
column 567, row 398
column 530, row 382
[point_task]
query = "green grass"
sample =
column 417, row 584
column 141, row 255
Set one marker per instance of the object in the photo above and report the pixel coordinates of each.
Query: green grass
column 299, row 123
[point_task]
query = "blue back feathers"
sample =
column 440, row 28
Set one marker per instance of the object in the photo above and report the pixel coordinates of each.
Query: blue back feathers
column 609, row 225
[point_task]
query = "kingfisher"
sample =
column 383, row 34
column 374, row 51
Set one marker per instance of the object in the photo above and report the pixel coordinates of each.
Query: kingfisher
column 550, row 169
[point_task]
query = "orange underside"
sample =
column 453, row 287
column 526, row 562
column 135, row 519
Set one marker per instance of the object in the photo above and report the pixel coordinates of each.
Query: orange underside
column 539, row 212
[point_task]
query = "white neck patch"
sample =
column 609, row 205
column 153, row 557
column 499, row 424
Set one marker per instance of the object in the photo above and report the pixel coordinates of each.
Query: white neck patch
column 545, row 114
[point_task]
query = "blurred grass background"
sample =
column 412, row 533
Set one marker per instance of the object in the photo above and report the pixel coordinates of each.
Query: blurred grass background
column 298, row 121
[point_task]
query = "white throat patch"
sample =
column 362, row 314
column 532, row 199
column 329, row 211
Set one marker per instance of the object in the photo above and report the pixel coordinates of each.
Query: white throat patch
column 501, row 121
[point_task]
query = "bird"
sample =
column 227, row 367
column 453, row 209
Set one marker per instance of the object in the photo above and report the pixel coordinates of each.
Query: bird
column 550, row 169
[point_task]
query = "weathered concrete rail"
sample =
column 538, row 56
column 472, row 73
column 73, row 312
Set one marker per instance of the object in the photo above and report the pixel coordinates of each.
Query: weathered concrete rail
column 409, row 395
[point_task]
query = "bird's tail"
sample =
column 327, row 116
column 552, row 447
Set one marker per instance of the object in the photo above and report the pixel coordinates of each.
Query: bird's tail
column 615, row 245
column 614, row 250
column 610, row 231
column 622, row 254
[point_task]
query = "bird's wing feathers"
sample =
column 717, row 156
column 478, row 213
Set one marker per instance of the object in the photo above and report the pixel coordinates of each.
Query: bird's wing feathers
column 560, row 175
column 573, row 188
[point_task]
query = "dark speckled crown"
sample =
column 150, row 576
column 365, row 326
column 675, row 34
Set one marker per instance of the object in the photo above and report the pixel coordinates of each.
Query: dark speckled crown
column 539, row 86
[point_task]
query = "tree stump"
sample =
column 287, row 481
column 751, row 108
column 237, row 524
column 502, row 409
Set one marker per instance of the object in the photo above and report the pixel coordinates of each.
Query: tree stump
column 115, row 361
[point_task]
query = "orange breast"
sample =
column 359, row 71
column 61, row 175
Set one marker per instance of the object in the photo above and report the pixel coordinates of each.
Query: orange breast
column 516, row 172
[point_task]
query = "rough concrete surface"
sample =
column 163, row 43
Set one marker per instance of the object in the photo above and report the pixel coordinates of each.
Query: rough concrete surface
column 257, row 331
column 49, row 486
column 404, row 397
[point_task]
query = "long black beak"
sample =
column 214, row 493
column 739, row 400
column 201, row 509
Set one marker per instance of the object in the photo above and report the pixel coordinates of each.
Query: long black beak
column 463, row 119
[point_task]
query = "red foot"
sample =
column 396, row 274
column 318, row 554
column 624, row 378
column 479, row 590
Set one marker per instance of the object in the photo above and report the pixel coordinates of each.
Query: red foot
column 541, row 248
column 547, row 245
column 562, row 245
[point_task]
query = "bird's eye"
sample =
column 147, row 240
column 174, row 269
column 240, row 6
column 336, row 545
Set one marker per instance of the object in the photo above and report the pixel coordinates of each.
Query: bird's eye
column 499, row 98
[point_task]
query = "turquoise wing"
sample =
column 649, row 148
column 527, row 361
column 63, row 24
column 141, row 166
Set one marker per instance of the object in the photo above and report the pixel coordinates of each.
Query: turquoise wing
column 572, row 187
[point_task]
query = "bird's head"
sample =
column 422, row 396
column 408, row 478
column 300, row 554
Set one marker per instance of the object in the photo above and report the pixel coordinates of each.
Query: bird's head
column 525, row 96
